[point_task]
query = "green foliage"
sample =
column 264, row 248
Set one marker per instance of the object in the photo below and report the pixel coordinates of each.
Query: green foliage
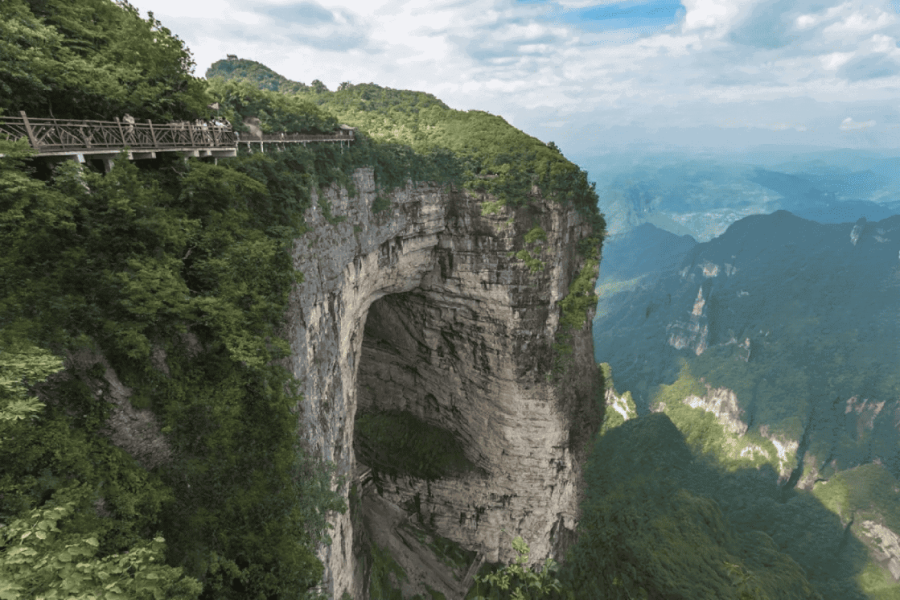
column 534, row 264
column 492, row 207
column 255, row 74
column 385, row 576
column 865, row 489
column 445, row 550
column 495, row 157
column 132, row 259
column 535, row 234
column 613, row 416
column 515, row 582
column 643, row 535
column 575, row 309
column 275, row 111
column 40, row 560
column 398, row 443
column 381, row 204
column 18, row 366
column 325, row 205
column 93, row 59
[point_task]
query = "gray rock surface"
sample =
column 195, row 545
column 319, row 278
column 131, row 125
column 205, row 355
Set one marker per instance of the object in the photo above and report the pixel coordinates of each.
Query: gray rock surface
column 422, row 308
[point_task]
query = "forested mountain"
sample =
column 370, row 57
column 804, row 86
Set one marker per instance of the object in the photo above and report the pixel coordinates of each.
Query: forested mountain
column 773, row 350
column 498, row 159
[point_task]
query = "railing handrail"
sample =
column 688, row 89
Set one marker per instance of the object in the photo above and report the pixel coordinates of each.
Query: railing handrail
column 59, row 135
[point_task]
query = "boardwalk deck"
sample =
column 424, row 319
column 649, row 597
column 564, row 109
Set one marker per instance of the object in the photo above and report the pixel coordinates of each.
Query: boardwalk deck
column 105, row 139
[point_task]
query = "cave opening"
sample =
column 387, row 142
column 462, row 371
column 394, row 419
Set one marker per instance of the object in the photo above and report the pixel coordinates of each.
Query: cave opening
column 408, row 421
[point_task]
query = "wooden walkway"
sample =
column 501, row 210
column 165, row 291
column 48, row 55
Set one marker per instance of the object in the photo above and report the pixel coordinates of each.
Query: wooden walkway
column 105, row 139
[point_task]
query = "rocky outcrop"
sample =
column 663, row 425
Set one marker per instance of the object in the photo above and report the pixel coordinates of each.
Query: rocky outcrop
column 424, row 308
column 723, row 404
column 135, row 430
column 692, row 333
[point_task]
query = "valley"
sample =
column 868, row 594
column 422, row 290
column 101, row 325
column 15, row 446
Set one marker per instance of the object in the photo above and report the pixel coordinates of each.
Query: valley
column 771, row 346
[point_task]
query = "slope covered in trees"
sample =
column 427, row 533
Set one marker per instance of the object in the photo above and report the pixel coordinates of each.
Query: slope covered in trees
column 498, row 159
column 93, row 59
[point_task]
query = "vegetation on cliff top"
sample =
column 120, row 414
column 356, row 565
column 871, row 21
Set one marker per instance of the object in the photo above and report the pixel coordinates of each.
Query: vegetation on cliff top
column 498, row 158
column 93, row 59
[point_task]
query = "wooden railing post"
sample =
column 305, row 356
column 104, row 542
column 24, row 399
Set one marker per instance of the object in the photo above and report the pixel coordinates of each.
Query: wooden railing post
column 152, row 133
column 31, row 138
column 121, row 132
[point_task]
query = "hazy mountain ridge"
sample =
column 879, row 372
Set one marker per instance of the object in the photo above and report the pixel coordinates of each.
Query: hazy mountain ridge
column 774, row 346
column 702, row 196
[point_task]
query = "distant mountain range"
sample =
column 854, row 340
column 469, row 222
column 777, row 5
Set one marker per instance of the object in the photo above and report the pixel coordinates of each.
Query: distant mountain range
column 701, row 197
column 773, row 345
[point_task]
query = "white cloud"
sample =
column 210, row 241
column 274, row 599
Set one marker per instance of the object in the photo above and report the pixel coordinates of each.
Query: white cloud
column 712, row 14
column 777, row 66
column 833, row 61
column 849, row 124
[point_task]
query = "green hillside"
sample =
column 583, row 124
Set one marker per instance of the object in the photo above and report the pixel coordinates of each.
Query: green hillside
column 258, row 75
column 801, row 329
column 498, row 158
column 93, row 59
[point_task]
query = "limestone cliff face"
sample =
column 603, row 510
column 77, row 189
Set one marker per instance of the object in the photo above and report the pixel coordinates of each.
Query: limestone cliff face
column 422, row 308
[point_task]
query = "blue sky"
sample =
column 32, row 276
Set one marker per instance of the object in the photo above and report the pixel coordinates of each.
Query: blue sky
column 592, row 76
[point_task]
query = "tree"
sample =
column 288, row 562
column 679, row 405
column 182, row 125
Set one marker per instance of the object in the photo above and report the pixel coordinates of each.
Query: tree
column 93, row 59
column 40, row 560
column 28, row 364
column 518, row 583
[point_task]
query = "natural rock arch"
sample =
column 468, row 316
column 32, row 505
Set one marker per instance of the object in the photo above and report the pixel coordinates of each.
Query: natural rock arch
column 472, row 330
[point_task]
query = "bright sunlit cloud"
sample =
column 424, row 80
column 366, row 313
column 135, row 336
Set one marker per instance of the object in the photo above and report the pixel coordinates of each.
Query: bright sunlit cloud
column 849, row 124
column 589, row 74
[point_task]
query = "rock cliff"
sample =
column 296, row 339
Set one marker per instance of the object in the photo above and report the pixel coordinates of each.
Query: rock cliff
column 424, row 309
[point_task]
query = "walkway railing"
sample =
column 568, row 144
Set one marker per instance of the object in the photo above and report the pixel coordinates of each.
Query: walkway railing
column 58, row 136
column 277, row 138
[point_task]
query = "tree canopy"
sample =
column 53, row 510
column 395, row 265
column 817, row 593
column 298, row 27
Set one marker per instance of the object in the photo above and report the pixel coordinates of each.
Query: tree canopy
column 93, row 59
column 499, row 158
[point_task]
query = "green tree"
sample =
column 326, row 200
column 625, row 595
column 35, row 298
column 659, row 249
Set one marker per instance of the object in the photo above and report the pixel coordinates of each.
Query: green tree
column 17, row 368
column 93, row 59
column 515, row 582
column 38, row 559
column 276, row 112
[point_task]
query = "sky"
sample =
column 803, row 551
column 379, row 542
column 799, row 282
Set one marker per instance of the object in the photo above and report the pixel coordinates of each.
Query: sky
column 592, row 76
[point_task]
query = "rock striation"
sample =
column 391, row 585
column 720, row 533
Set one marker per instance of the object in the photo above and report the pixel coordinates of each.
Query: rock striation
column 424, row 308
